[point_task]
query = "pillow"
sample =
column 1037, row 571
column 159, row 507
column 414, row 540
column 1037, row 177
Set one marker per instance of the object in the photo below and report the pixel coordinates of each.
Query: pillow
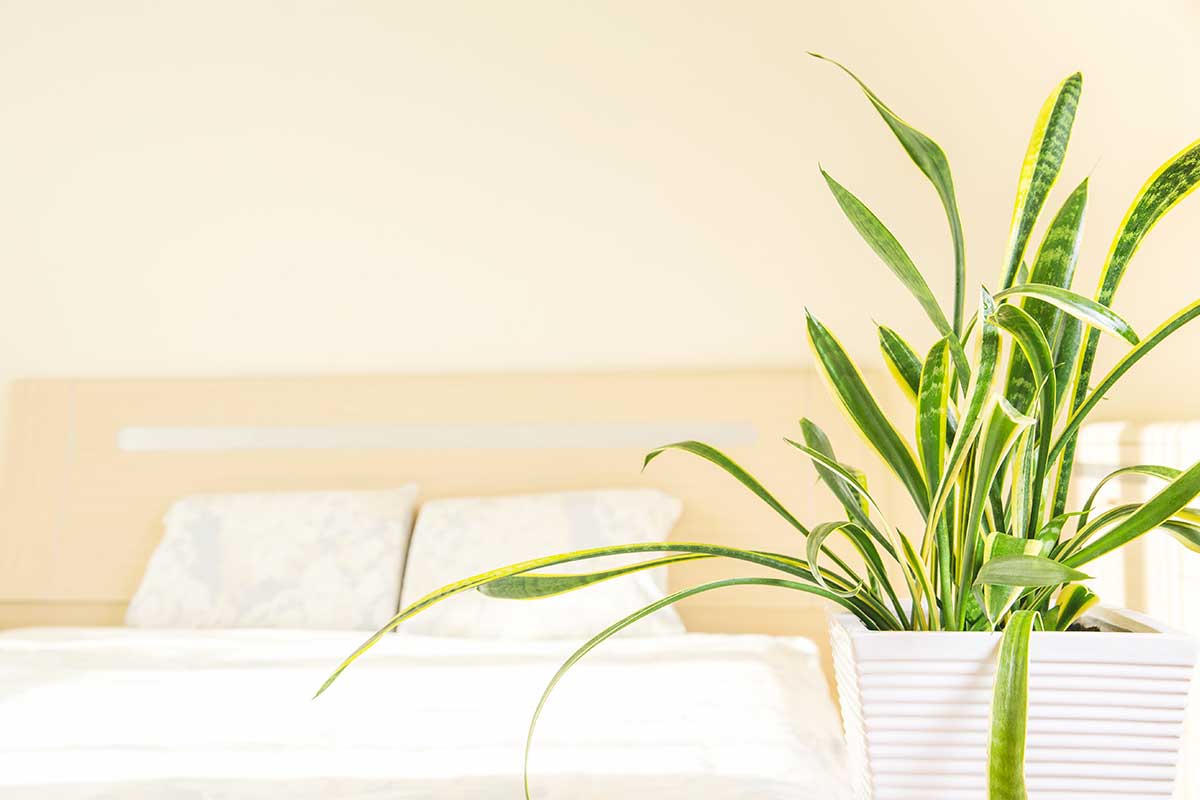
column 460, row 537
column 329, row 560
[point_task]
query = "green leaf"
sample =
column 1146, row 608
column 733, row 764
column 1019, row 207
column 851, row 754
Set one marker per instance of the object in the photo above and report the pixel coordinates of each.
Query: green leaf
column 1073, row 602
column 893, row 255
column 1149, row 515
column 849, row 491
column 865, row 607
column 1010, row 710
column 901, row 359
column 931, row 160
column 1051, row 532
column 1148, row 470
column 1004, row 424
column 845, row 490
column 933, row 398
column 894, row 536
column 536, row 585
column 813, row 553
column 719, row 459
column 625, row 622
column 1186, row 533
column 1119, row 369
column 1088, row 311
column 1054, row 266
column 860, row 406
column 1026, row 570
column 1036, row 349
column 1172, row 182
column 1022, row 517
column 997, row 600
column 715, row 456
column 881, row 240
column 969, row 427
column 848, row 479
column 1040, row 168
column 917, row 568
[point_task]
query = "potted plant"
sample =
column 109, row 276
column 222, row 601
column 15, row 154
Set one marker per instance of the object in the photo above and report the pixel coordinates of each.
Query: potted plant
column 940, row 620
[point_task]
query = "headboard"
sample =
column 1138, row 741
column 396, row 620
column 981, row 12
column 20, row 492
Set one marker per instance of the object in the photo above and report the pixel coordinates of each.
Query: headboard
column 92, row 465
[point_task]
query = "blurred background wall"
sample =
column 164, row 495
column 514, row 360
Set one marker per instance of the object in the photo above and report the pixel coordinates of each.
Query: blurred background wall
column 260, row 187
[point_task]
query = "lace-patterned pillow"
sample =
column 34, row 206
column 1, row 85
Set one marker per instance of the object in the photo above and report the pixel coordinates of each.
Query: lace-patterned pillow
column 317, row 560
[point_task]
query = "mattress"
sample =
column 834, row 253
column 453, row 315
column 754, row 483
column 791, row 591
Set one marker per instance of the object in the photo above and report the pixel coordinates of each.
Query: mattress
column 133, row 714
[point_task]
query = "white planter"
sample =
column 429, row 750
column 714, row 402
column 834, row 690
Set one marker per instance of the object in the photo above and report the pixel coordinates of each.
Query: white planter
column 1106, row 710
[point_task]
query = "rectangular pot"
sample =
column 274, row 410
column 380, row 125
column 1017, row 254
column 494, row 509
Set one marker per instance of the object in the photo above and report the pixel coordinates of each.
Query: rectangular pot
column 1106, row 710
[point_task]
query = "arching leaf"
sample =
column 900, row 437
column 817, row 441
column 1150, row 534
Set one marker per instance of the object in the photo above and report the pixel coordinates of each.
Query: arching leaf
column 1149, row 515
column 536, row 585
column 625, row 622
column 1010, row 710
column 1135, row 355
column 1096, row 315
column 931, row 160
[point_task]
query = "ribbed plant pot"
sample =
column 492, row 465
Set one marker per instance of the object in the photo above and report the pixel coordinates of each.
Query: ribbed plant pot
column 1106, row 710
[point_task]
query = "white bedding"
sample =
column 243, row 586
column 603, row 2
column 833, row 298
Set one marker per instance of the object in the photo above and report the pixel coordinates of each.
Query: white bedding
column 119, row 713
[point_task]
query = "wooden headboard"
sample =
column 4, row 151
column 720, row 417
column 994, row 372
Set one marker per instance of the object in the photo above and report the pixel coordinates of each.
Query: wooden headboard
column 94, row 463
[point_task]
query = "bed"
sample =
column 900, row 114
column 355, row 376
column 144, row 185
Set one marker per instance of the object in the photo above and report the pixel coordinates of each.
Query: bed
column 118, row 713
column 94, row 710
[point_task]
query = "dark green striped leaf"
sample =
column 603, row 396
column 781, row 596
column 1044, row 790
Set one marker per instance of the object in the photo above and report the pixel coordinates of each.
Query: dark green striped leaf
column 972, row 419
column 1036, row 350
column 1053, row 266
column 860, row 406
column 933, row 398
column 1169, row 185
column 901, row 359
column 1039, row 170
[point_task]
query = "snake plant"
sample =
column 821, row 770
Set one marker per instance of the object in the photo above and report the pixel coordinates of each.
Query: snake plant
column 998, row 402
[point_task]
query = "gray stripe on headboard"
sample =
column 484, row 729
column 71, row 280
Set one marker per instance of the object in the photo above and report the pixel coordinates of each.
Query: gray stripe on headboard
column 474, row 436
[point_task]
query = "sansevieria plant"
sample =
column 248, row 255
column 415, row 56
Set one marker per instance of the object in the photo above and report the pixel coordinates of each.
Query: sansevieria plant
column 999, row 400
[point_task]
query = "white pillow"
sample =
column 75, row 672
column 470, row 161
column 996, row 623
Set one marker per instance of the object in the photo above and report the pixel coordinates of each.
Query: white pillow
column 327, row 560
column 460, row 537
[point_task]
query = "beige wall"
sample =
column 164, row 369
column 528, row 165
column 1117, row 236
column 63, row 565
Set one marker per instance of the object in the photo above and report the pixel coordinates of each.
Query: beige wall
column 252, row 187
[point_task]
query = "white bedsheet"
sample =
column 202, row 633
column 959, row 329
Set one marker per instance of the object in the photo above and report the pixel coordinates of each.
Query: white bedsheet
column 117, row 713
